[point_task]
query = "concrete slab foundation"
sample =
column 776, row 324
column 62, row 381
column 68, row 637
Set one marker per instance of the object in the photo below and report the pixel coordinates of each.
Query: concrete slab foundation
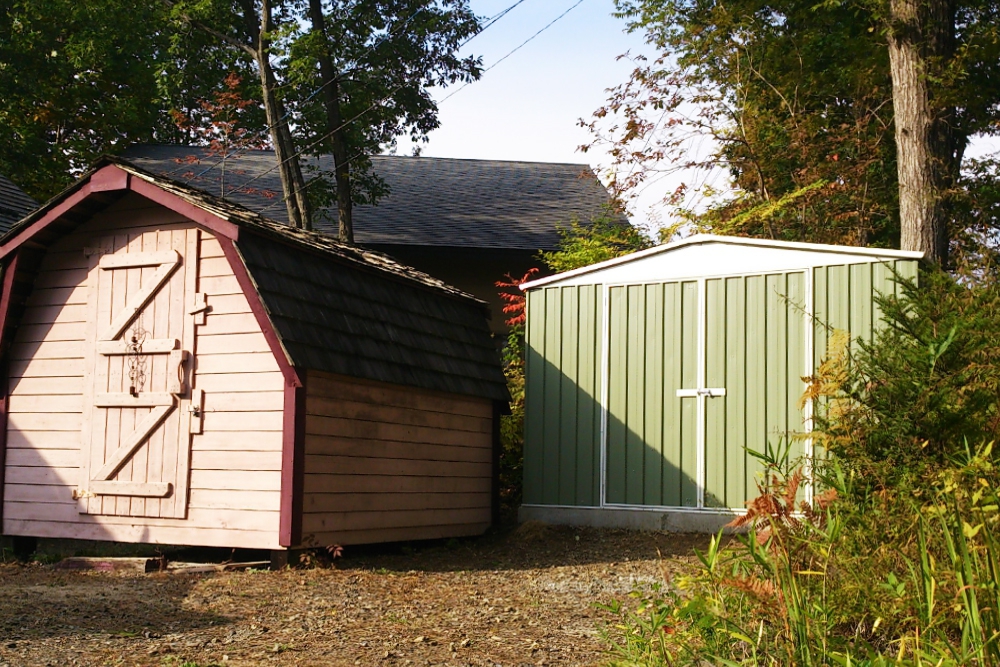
column 667, row 520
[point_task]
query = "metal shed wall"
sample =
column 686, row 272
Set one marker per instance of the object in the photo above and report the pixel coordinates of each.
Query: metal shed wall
column 630, row 348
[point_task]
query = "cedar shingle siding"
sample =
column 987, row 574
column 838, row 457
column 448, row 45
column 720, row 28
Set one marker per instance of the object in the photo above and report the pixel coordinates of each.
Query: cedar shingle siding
column 333, row 317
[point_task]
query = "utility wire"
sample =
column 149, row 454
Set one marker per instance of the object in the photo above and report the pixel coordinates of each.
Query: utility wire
column 375, row 104
column 316, row 92
column 515, row 49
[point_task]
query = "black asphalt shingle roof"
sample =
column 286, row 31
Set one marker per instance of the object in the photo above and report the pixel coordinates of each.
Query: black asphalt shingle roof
column 432, row 201
column 14, row 204
column 347, row 310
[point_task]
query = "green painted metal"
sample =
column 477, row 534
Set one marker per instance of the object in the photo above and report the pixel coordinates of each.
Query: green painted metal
column 755, row 346
column 562, row 427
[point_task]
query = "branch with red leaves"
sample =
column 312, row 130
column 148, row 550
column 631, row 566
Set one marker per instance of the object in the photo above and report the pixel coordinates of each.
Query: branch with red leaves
column 514, row 300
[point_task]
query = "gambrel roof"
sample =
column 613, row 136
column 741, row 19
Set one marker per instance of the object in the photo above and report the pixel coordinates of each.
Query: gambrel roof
column 328, row 306
column 432, row 201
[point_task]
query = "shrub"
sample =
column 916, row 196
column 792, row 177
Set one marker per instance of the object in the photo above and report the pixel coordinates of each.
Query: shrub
column 898, row 560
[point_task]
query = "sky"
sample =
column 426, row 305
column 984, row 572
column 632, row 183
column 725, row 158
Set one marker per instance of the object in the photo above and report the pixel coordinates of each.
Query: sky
column 528, row 107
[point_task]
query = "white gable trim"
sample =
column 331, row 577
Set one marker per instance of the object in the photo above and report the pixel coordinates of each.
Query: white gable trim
column 845, row 254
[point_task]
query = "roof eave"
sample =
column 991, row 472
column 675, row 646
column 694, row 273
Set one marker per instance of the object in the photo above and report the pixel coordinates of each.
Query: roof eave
column 703, row 239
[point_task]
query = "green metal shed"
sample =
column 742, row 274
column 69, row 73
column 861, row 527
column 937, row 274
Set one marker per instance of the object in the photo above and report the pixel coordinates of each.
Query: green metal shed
column 650, row 375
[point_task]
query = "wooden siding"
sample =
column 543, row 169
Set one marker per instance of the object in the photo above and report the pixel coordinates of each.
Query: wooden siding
column 235, row 478
column 385, row 462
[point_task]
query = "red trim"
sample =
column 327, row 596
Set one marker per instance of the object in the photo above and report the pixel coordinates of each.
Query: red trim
column 155, row 193
column 257, row 306
column 10, row 271
column 54, row 214
column 293, row 444
column 112, row 178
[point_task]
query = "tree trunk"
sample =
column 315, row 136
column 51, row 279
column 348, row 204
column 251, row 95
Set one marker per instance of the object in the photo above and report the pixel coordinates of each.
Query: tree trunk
column 289, row 169
column 921, row 36
column 334, row 123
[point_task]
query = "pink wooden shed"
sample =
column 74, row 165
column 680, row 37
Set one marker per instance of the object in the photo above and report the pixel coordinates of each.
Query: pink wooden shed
column 180, row 370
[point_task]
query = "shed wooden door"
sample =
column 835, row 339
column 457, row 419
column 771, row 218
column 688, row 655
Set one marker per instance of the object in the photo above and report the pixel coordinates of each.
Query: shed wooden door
column 140, row 331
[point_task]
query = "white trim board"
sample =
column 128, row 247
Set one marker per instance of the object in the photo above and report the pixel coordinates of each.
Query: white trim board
column 674, row 520
column 705, row 254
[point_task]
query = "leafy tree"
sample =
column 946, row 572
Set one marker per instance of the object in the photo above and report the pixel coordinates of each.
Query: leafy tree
column 72, row 86
column 585, row 244
column 796, row 99
column 80, row 79
column 349, row 75
column 372, row 63
column 251, row 27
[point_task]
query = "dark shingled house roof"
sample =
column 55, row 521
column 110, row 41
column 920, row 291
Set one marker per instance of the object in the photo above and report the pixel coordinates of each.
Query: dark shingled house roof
column 347, row 310
column 14, row 204
column 432, row 201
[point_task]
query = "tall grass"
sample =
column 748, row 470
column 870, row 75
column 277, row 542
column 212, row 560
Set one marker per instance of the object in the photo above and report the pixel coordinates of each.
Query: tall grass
column 794, row 589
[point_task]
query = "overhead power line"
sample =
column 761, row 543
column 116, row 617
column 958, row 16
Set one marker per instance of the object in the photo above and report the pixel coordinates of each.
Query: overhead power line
column 375, row 104
column 516, row 48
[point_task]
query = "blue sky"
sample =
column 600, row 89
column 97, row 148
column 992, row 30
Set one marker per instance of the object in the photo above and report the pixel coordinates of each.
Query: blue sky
column 527, row 108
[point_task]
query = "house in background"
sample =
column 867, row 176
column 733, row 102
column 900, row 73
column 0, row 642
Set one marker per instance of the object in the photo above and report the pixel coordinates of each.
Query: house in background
column 466, row 222
column 14, row 204
column 180, row 370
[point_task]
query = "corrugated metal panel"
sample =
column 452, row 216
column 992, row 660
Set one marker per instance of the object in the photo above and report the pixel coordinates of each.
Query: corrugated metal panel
column 652, row 434
column 562, row 396
column 844, row 298
column 755, row 346
column 755, row 350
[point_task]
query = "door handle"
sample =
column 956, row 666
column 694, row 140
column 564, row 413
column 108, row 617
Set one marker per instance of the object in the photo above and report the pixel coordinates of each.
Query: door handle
column 694, row 393
column 175, row 383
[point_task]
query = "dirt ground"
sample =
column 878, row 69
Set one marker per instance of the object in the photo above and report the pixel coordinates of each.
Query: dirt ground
column 524, row 597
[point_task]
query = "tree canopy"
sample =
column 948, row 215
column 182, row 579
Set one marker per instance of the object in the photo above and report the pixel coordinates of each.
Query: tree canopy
column 81, row 79
column 797, row 100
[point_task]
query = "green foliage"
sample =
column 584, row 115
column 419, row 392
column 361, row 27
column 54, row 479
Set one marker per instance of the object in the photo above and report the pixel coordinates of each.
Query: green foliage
column 73, row 85
column 834, row 587
column 585, row 244
column 929, row 381
column 781, row 96
column 897, row 561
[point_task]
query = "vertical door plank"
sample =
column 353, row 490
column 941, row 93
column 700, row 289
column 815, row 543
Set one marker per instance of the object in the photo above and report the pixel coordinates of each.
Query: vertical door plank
column 125, row 506
column 670, row 491
column 158, row 381
column 652, row 484
column 193, row 238
column 737, row 333
column 90, row 360
column 634, row 399
column 715, row 407
column 690, row 342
